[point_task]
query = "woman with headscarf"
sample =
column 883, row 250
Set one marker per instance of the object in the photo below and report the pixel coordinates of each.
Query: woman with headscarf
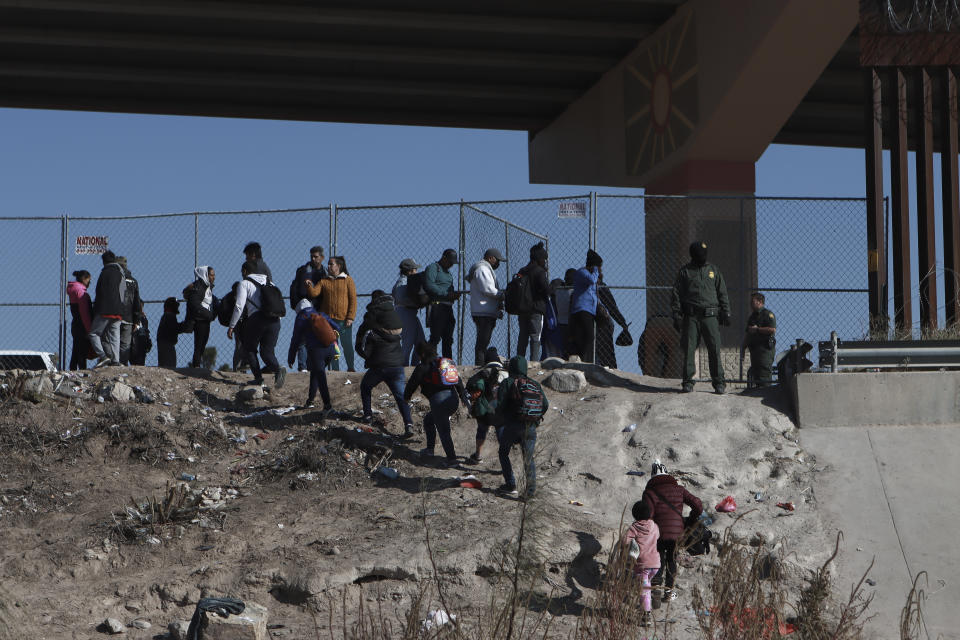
column 202, row 308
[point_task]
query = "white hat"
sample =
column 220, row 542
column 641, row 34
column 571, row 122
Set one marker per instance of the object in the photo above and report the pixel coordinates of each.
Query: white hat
column 658, row 468
column 304, row 304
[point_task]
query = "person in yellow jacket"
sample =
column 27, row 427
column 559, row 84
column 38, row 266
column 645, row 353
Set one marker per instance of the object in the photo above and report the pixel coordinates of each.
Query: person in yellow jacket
column 336, row 296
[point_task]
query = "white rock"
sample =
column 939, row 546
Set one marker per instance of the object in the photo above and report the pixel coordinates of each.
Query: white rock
column 140, row 624
column 566, row 381
column 114, row 626
column 119, row 392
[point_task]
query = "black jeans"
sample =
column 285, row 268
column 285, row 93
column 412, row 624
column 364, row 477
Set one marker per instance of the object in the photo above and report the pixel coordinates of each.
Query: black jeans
column 441, row 322
column 81, row 346
column 260, row 331
column 485, row 325
column 201, row 334
column 583, row 334
column 667, row 573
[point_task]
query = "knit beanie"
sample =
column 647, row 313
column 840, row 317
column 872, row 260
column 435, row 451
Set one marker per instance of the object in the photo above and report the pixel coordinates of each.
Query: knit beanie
column 594, row 259
column 698, row 252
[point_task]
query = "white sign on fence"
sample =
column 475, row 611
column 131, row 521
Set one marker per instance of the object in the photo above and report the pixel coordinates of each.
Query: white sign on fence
column 92, row 245
column 572, row 210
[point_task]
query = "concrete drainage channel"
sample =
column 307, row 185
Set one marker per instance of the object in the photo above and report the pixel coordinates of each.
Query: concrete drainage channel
column 886, row 446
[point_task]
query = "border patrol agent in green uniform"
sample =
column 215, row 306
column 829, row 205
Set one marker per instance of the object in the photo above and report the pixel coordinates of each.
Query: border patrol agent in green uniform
column 760, row 340
column 700, row 305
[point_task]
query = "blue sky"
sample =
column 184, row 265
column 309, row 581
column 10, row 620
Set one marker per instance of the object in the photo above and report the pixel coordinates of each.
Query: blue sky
column 88, row 164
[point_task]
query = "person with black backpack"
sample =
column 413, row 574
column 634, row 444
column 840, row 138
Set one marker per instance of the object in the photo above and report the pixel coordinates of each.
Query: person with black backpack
column 523, row 405
column 262, row 303
column 314, row 272
column 536, row 293
column 482, row 388
column 202, row 308
column 666, row 498
column 409, row 298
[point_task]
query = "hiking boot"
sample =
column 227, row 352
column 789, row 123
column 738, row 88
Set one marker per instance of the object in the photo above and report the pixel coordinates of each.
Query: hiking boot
column 720, row 389
column 327, row 412
column 102, row 362
column 686, row 388
column 645, row 619
column 407, row 431
column 508, row 490
column 279, row 378
column 669, row 595
column 310, row 405
column 474, row 459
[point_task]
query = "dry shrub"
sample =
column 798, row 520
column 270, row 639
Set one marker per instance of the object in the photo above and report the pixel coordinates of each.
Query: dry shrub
column 912, row 626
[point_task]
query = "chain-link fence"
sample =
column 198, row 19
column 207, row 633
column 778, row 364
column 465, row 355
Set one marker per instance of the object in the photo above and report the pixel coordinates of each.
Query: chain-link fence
column 796, row 250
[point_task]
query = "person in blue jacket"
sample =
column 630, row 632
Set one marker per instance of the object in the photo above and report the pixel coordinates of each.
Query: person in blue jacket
column 583, row 307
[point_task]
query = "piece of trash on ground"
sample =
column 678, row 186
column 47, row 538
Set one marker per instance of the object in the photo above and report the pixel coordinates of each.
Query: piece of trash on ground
column 727, row 505
column 788, row 506
column 630, row 428
column 347, row 382
column 388, row 472
column 269, row 412
column 636, row 473
column 576, row 503
column 436, row 619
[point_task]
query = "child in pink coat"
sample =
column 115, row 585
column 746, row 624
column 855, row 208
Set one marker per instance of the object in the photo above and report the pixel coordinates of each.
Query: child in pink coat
column 645, row 533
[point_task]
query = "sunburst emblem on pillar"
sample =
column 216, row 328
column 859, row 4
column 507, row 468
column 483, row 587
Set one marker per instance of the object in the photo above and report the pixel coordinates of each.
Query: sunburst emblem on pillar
column 660, row 95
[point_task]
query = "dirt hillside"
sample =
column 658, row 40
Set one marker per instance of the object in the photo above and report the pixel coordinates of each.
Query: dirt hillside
column 97, row 522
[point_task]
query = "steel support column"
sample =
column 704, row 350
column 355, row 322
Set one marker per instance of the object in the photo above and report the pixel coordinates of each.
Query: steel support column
column 950, row 177
column 926, row 224
column 876, row 242
column 900, row 202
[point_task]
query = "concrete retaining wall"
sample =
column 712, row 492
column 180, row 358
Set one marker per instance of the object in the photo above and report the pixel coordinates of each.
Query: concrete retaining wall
column 885, row 398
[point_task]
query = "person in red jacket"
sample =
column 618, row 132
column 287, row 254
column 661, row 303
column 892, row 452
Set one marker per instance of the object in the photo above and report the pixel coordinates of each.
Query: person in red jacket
column 666, row 499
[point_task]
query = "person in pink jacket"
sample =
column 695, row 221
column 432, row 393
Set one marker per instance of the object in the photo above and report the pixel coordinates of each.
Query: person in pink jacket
column 81, row 308
column 644, row 532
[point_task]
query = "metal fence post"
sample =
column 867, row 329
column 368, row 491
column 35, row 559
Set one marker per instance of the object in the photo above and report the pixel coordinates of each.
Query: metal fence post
column 336, row 225
column 743, row 279
column 592, row 231
column 330, row 229
column 506, row 244
column 64, row 244
column 196, row 240
column 460, row 300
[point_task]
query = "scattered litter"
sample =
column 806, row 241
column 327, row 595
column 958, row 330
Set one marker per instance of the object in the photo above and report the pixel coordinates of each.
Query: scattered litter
column 636, row 473
column 470, row 481
column 555, row 408
column 388, row 472
column 432, row 512
column 269, row 412
column 280, row 526
column 171, row 455
column 705, row 519
column 630, row 428
column 153, row 540
column 589, row 513
column 871, row 582
column 187, row 477
column 347, row 382
column 261, row 435
column 308, row 475
column 168, row 404
column 727, row 505
column 788, row 506
column 576, row 503
column 436, row 619
column 590, row 476
column 758, row 497
column 292, row 438
column 241, row 437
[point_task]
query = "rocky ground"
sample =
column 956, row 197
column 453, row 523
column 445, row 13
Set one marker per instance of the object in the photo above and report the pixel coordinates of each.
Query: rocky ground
column 129, row 493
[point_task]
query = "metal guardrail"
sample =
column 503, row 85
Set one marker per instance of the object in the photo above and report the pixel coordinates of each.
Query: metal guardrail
column 889, row 354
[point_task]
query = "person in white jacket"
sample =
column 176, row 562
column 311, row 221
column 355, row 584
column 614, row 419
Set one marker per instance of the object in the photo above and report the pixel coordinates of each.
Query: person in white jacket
column 486, row 300
column 259, row 331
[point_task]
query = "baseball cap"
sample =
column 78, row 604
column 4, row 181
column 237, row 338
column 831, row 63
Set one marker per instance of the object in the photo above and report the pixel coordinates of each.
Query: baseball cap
column 494, row 253
column 451, row 254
